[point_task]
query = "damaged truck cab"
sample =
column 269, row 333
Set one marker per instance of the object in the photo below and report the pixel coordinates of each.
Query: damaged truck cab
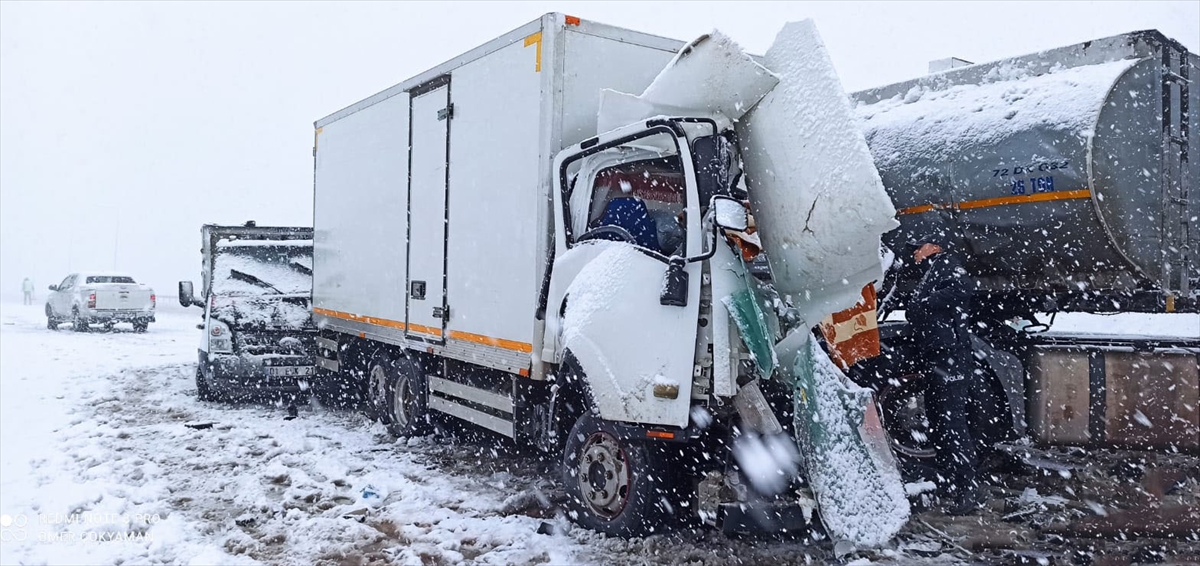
column 257, row 332
column 637, row 221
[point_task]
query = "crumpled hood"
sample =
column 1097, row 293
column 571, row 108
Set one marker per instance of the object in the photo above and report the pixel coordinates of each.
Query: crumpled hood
column 817, row 197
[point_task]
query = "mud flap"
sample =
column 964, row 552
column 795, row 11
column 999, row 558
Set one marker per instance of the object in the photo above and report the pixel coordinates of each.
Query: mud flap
column 846, row 453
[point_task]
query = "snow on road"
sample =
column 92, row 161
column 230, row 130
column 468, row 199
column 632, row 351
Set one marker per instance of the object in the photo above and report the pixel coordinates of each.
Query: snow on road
column 99, row 465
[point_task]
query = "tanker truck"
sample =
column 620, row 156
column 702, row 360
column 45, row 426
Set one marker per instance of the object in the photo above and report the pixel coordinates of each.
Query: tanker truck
column 1067, row 182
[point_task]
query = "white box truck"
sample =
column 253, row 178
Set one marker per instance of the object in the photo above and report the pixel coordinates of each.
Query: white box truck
column 482, row 252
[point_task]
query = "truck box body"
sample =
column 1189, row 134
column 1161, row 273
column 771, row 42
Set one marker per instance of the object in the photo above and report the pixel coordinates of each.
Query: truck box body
column 413, row 245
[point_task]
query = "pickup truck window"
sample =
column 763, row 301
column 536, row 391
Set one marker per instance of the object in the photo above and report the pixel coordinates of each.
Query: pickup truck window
column 109, row 279
column 66, row 283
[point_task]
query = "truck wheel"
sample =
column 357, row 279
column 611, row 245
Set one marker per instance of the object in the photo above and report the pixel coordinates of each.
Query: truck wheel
column 78, row 323
column 140, row 326
column 51, row 322
column 405, row 404
column 614, row 485
column 204, row 391
column 901, row 404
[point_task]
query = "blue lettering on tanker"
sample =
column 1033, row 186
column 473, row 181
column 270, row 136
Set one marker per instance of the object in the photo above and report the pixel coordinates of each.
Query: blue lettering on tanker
column 1032, row 185
column 1042, row 167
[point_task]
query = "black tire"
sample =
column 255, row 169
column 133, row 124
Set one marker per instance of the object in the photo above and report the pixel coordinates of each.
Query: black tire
column 51, row 322
column 615, row 485
column 204, row 391
column 401, row 400
column 78, row 323
column 140, row 326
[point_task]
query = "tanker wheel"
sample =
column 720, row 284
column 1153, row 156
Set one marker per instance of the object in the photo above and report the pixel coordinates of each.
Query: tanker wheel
column 615, row 485
column 902, row 410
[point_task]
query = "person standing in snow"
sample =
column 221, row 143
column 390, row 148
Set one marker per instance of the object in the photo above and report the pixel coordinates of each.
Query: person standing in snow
column 27, row 288
column 937, row 317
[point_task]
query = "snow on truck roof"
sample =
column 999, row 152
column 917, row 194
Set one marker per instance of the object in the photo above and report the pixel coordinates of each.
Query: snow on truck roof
column 927, row 120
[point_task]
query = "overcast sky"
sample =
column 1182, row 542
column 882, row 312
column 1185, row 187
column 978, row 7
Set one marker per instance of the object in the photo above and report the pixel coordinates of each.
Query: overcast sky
column 124, row 127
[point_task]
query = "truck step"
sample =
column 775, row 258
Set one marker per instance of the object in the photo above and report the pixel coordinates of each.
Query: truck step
column 490, row 422
column 473, row 394
column 331, row 365
column 327, row 344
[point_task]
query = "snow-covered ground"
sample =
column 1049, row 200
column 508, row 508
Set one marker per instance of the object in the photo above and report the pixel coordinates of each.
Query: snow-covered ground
column 99, row 465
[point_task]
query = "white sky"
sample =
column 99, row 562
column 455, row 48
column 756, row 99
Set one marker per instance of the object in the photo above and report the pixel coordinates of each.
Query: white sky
column 130, row 125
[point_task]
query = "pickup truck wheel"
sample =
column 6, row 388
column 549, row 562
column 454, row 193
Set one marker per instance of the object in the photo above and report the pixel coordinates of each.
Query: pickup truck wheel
column 140, row 326
column 51, row 322
column 614, row 485
column 78, row 323
column 403, row 398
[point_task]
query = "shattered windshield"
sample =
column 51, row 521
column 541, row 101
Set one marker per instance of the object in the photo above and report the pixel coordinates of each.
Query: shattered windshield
column 257, row 268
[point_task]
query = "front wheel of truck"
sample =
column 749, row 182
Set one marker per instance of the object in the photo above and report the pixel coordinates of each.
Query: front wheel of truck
column 204, row 391
column 615, row 485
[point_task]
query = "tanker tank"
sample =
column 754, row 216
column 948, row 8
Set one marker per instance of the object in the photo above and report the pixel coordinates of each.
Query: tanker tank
column 1065, row 176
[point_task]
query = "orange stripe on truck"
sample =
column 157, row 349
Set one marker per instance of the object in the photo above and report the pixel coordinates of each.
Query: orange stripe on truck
column 998, row 201
column 489, row 341
column 454, row 334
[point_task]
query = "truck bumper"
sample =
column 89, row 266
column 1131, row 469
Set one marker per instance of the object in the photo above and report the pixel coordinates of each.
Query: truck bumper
column 119, row 316
column 239, row 376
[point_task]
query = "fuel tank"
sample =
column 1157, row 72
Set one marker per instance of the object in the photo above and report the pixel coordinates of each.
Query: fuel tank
column 1067, row 174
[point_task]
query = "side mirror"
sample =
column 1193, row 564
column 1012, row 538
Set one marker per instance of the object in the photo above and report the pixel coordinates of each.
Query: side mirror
column 675, row 284
column 54, row 287
column 729, row 214
column 186, row 296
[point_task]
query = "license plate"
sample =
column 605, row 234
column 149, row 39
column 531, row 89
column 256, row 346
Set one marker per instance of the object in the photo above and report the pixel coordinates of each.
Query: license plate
column 291, row 371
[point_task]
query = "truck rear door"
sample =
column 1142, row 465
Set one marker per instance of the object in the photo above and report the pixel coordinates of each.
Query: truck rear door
column 430, row 113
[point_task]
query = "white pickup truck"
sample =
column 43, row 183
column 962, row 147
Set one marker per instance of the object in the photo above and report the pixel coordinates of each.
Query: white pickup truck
column 102, row 298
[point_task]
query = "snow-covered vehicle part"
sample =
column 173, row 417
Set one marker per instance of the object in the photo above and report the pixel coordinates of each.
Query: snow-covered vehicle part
column 1068, row 176
column 816, row 195
column 847, row 456
column 83, row 299
column 257, row 337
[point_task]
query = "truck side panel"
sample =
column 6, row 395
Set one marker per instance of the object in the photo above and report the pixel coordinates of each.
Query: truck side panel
column 360, row 205
column 595, row 62
column 492, row 263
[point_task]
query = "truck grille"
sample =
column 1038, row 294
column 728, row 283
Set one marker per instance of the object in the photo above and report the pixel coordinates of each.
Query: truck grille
column 277, row 343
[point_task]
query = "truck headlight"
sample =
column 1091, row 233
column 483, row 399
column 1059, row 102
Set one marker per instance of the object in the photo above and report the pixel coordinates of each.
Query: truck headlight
column 220, row 339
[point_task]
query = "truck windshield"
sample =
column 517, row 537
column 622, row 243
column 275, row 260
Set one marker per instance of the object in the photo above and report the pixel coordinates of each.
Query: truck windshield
column 278, row 268
column 109, row 279
column 639, row 188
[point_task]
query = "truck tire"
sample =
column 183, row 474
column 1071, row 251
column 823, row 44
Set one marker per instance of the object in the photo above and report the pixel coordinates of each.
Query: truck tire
column 140, row 326
column 614, row 485
column 78, row 323
column 51, row 322
column 399, row 395
column 204, row 390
